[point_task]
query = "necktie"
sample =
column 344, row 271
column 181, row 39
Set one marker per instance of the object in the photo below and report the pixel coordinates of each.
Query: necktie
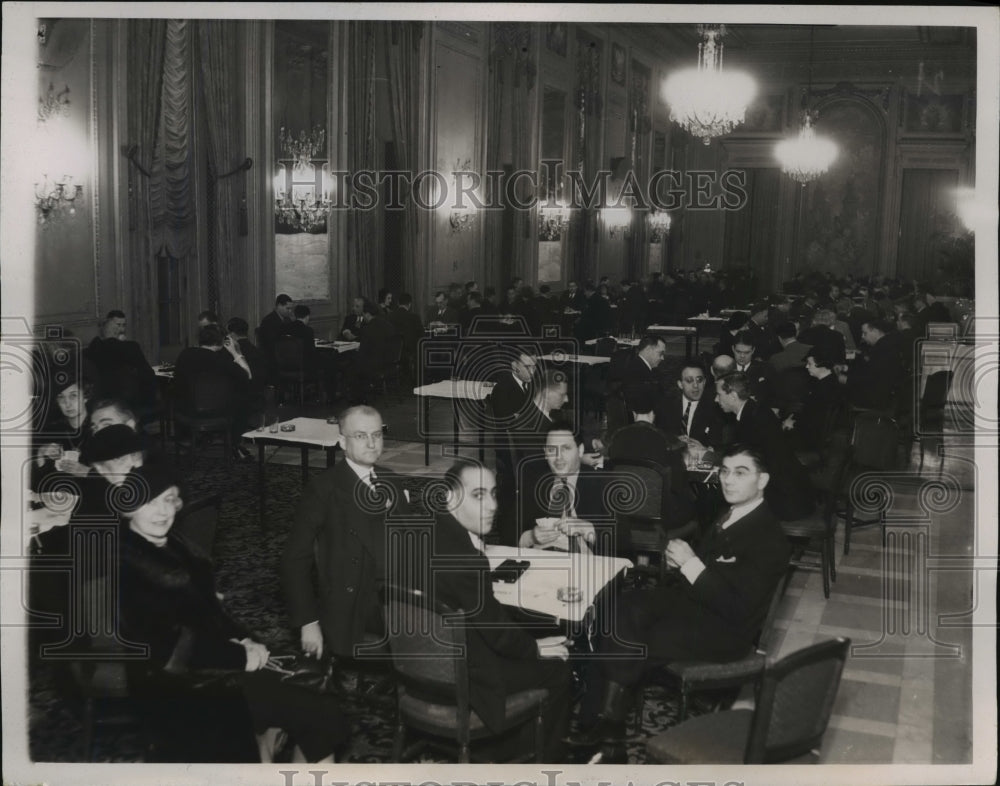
column 559, row 498
column 687, row 417
column 723, row 520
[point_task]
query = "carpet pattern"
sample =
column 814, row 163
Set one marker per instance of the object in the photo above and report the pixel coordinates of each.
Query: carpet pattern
column 247, row 556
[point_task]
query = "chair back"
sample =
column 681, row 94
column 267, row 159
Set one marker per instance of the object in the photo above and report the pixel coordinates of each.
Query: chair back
column 795, row 701
column 873, row 443
column 605, row 346
column 393, row 349
column 288, row 353
column 196, row 524
column 427, row 643
column 210, row 393
column 649, row 478
column 935, row 394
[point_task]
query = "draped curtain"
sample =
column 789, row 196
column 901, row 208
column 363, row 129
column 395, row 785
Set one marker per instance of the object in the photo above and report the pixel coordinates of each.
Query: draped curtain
column 751, row 233
column 363, row 265
column 172, row 197
column 403, row 67
column 512, row 73
column 146, row 38
column 220, row 91
column 926, row 220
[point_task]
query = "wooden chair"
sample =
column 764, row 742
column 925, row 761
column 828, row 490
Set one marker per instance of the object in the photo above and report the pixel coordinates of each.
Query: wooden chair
column 873, row 448
column 693, row 676
column 289, row 360
column 428, row 656
column 794, row 701
column 930, row 424
column 206, row 408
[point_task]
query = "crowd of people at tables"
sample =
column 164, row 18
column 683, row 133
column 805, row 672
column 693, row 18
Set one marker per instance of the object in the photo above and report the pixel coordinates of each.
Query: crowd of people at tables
column 769, row 408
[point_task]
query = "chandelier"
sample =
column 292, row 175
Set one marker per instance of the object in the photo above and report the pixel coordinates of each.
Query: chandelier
column 552, row 221
column 618, row 220
column 53, row 200
column 659, row 225
column 302, row 191
column 806, row 156
column 706, row 100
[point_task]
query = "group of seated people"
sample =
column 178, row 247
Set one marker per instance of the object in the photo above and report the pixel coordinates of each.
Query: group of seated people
column 777, row 389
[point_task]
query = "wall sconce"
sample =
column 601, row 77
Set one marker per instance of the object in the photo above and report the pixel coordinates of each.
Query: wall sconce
column 659, row 226
column 618, row 220
column 552, row 221
column 302, row 192
column 55, row 200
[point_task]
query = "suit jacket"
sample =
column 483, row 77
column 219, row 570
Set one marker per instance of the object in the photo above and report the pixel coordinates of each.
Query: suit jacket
column 874, row 376
column 507, row 397
column 374, row 344
column 123, row 371
column 355, row 323
column 535, row 491
column 271, row 326
column 760, row 375
column 596, row 318
column 498, row 649
column 340, row 528
column 825, row 397
column 789, row 493
column 307, row 336
column 449, row 316
column 792, row 356
column 193, row 361
column 829, row 341
column 718, row 616
column 708, row 423
column 765, row 341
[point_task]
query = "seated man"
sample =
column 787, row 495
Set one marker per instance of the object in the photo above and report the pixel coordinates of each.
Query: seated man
column 562, row 487
column 874, row 376
column 789, row 493
column 714, row 610
column 826, row 336
column 759, row 373
column 503, row 658
column 793, row 351
column 339, row 529
column 411, row 328
column 513, row 390
column 354, row 322
column 123, row 371
column 441, row 313
column 632, row 370
column 643, row 439
column 689, row 414
column 274, row 323
column 824, row 401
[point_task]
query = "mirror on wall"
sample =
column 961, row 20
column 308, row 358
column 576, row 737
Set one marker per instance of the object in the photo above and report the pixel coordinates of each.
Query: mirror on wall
column 553, row 221
column 301, row 169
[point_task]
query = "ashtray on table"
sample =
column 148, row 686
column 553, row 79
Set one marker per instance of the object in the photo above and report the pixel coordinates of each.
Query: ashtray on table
column 288, row 427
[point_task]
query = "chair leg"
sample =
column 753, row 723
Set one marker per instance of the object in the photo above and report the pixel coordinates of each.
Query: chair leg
column 825, row 560
column 640, row 705
column 831, row 546
column 464, row 754
column 88, row 729
column 848, row 518
column 399, row 739
column 228, row 442
column 540, row 737
column 684, row 704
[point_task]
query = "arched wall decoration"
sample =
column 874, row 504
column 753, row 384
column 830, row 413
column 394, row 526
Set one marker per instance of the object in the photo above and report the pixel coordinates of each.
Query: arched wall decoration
column 840, row 215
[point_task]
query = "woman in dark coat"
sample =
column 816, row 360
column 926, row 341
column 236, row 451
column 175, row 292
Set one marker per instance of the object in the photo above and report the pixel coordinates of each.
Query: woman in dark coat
column 206, row 686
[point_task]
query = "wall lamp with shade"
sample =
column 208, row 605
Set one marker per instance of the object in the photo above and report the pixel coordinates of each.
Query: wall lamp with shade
column 56, row 199
column 463, row 212
column 659, row 225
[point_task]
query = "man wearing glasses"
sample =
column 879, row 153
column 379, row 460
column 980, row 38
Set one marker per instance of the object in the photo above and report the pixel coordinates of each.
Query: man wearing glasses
column 340, row 527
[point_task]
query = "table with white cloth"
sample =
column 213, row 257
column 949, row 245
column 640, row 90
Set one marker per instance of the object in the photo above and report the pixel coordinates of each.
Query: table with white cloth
column 537, row 589
column 338, row 346
column 308, row 434
column 690, row 333
column 456, row 390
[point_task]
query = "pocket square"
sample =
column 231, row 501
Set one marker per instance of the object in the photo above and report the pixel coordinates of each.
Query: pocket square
column 725, row 559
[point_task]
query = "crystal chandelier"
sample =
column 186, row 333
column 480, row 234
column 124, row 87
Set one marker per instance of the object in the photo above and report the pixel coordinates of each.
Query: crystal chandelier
column 56, row 199
column 806, row 156
column 552, row 221
column 618, row 221
column 706, row 100
column 659, row 225
column 302, row 196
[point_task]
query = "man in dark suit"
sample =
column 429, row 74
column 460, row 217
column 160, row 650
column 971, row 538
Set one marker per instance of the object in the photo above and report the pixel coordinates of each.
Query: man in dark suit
column 874, row 376
column 339, row 528
column 711, row 613
column 122, row 369
column 810, row 426
column 633, row 371
column 513, row 389
column 632, row 309
column 372, row 355
column 764, row 340
column 643, row 439
column 936, row 311
column 473, row 308
column 572, row 298
column 441, row 313
column 596, row 319
column 503, row 658
column 793, row 352
column 237, row 329
column 825, row 337
column 563, row 487
column 689, row 414
column 273, row 324
column 354, row 323
column 757, row 371
column 789, row 492
column 411, row 328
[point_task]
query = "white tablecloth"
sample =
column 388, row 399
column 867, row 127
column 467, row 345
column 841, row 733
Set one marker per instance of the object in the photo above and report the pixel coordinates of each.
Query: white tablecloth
column 308, row 431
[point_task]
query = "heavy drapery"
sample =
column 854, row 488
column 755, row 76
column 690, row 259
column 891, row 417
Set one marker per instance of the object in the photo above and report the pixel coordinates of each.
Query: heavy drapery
column 403, row 68
column 751, row 234
column 220, row 91
column 146, row 39
column 926, row 220
column 364, row 237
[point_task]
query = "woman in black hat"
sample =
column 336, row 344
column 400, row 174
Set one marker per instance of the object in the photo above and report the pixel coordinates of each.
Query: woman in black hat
column 207, row 685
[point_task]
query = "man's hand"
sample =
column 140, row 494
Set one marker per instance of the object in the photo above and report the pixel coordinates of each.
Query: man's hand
column 312, row 640
column 257, row 654
column 347, row 334
column 571, row 527
column 544, row 535
column 788, row 423
column 591, row 459
column 48, row 451
column 552, row 647
column 677, row 553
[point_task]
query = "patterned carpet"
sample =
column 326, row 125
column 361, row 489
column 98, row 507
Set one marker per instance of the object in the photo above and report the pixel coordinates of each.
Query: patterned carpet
column 247, row 558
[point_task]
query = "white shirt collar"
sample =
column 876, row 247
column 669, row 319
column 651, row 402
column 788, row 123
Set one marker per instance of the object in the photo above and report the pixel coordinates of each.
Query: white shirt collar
column 363, row 473
column 739, row 412
column 477, row 542
column 645, row 361
column 739, row 511
column 521, row 384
